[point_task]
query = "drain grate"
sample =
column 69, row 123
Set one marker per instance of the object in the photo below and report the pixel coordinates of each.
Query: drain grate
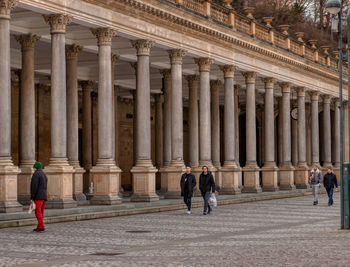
column 107, row 253
column 138, row 231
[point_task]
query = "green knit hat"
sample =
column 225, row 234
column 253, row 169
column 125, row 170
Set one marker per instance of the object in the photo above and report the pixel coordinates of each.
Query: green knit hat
column 38, row 165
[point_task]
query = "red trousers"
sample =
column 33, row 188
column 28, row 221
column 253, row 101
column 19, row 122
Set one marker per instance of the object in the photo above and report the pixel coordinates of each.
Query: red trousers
column 39, row 212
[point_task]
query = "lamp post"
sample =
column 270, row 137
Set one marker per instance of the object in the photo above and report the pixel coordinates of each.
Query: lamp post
column 334, row 8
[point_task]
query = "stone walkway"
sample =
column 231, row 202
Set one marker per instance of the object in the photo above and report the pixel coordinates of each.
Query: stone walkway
column 284, row 232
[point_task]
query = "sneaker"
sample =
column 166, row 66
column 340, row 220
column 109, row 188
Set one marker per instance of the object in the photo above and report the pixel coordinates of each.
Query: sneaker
column 39, row 230
column 188, row 212
column 204, row 213
column 329, row 204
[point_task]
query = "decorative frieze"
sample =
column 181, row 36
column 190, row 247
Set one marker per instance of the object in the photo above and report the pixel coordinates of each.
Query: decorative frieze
column 27, row 41
column 143, row 47
column 104, row 35
column 176, row 56
column 58, row 22
column 6, row 6
column 228, row 70
column 204, row 63
column 72, row 51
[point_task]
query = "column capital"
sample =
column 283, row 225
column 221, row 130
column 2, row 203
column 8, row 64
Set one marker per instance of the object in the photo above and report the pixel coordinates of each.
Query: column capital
column 72, row 51
column 204, row 63
column 192, row 80
column 327, row 99
column 269, row 82
column 314, row 95
column 143, row 47
column 249, row 76
column 237, row 87
column 336, row 101
column 115, row 58
column 285, row 86
column 228, row 70
column 176, row 55
column 166, row 73
column 86, row 85
column 58, row 22
column 27, row 41
column 104, row 35
column 6, row 6
column 301, row 90
column 215, row 84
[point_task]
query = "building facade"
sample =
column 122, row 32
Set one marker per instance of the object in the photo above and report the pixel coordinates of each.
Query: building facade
column 124, row 93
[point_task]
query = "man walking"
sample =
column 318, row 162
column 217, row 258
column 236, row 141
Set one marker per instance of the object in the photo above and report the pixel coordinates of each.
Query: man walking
column 38, row 187
column 206, row 183
column 315, row 178
column 188, row 183
column 329, row 181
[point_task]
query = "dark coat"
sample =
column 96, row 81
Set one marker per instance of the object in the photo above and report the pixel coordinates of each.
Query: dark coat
column 206, row 182
column 38, row 186
column 187, row 183
column 330, row 180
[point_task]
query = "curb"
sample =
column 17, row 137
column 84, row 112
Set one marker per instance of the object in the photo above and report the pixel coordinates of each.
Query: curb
column 136, row 211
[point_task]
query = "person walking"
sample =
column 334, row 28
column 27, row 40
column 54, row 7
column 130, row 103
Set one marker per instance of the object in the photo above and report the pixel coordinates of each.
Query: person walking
column 329, row 181
column 38, row 188
column 188, row 184
column 206, row 183
column 315, row 178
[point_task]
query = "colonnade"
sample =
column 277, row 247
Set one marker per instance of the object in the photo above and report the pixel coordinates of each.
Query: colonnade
column 68, row 180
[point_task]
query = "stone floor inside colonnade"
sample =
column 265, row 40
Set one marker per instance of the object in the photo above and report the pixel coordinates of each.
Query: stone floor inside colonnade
column 283, row 232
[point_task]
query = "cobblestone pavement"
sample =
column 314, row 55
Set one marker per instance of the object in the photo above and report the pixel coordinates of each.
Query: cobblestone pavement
column 285, row 232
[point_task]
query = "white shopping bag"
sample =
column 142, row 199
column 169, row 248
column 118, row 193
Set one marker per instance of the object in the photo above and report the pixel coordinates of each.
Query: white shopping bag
column 31, row 207
column 212, row 201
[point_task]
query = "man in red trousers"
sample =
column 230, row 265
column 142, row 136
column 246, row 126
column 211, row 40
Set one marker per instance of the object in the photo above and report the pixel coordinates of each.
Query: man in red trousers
column 38, row 187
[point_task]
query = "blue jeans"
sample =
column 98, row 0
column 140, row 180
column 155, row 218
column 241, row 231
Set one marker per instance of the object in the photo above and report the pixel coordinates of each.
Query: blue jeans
column 330, row 195
column 206, row 196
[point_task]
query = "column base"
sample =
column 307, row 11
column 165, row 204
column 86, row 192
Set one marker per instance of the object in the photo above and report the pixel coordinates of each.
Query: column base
column 302, row 176
column 287, row 177
column 174, row 172
column 230, row 179
column 78, row 182
column 144, row 182
column 59, row 184
column 106, row 178
column 24, row 180
column 270, row 177
column 251, row 178
column 8, row 186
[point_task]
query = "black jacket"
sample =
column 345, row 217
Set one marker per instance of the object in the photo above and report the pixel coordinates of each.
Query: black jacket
column 206, row 182
column 187, row 183
column 330, row 180
column 38, row 186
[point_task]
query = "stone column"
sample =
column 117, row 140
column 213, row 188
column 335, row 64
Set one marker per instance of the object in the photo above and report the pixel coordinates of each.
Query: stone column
column 204, row 115
column 286, row 170
column 215, row 129
column 159, row 130
column 237, row 143
column 327, row 131
column 294, row 145
column 270, row 170
column 73, row 120
column 336, row 168
column 315, row 151
column 302, row 170
column 143, row 172
column 27, row 117
column 59, row 172
column 251, row 169
column 8, row 172
column 279, row 134
column 167, row 130
column 115, row 124
column 176, row 167
column 230, row 172
column 87, row 87
column 106, row 175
